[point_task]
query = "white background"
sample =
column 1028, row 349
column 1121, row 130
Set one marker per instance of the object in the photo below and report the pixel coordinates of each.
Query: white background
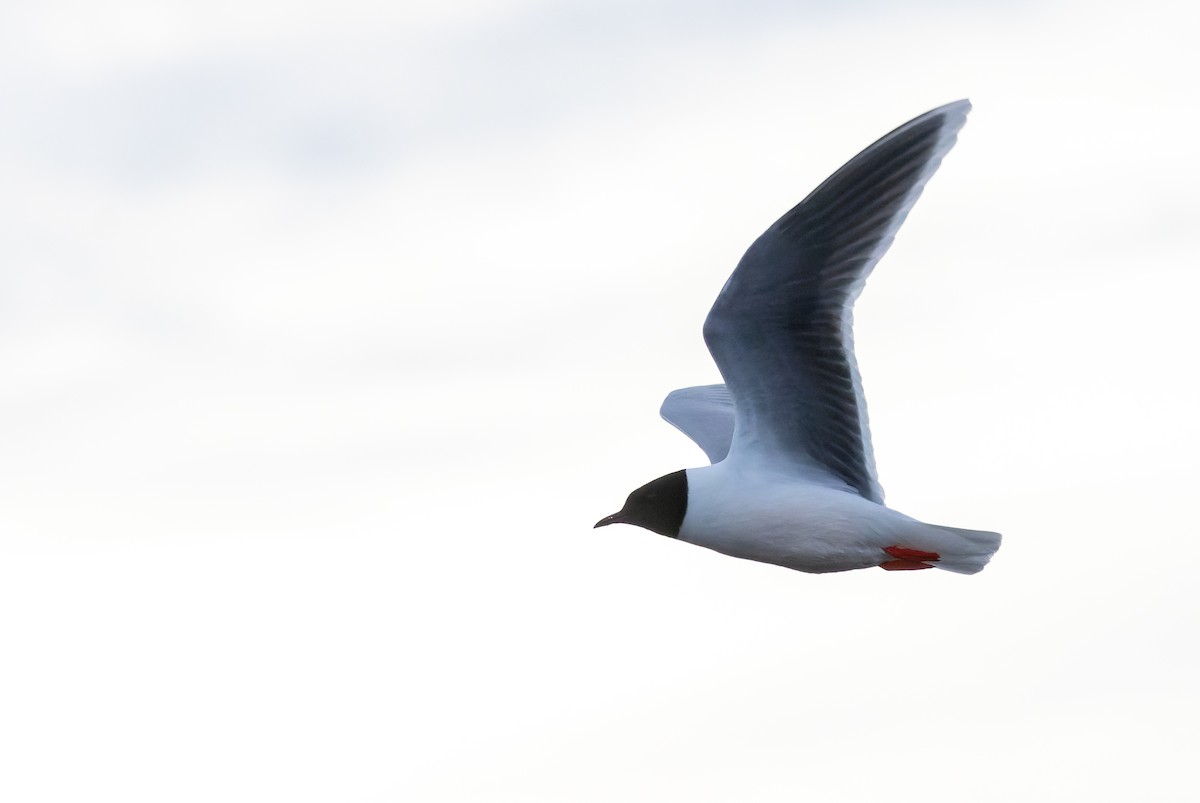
column 328, row 330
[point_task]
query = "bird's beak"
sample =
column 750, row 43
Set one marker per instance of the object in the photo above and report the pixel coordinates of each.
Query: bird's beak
column 607, row 520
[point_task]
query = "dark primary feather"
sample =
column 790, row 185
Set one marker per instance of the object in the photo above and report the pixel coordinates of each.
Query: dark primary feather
column 780, row 331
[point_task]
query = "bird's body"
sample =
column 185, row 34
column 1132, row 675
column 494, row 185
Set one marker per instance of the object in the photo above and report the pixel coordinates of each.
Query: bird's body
column 792, row 480
column 809, row 524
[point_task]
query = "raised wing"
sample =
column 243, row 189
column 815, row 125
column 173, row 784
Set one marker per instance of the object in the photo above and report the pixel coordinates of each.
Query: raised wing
column 780, row 331
column 704, row 414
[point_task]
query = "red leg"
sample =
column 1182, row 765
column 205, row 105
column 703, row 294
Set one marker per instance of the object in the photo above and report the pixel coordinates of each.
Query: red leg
column 904, row 553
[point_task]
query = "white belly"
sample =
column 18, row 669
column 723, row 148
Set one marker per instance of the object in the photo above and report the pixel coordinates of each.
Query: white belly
column 785, row 520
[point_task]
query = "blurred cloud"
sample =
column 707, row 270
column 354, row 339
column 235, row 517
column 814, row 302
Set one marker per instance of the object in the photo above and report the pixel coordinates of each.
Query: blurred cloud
column 162, row 91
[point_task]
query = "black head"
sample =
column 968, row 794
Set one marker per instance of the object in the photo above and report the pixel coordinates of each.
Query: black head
column 659, row 506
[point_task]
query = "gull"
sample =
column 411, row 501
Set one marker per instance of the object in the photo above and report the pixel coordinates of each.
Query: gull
column 792, row 478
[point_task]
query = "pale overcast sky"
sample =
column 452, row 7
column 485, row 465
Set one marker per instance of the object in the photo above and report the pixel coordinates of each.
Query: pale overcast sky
column 328, row 330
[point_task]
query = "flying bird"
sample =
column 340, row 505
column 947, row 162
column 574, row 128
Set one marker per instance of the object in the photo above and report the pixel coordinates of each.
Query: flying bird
column 792, row 477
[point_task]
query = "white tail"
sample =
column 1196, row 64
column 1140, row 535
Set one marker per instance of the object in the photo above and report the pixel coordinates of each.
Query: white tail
column 964, row 551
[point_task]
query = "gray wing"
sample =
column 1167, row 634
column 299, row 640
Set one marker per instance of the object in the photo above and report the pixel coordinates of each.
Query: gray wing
column 780, row 331
column 704, row 414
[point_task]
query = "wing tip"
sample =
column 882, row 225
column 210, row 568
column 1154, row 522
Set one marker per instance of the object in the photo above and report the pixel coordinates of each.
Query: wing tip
column 705, row 414
column 953, row 117
column 961, row 107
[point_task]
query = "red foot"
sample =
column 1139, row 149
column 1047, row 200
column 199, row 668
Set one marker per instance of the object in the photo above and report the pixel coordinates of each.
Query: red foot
column 904, row 553
column 903, row 565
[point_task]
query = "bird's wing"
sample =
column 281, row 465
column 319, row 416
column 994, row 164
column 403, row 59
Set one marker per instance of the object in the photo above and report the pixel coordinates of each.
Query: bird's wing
column 704, row 414
column 780, row 330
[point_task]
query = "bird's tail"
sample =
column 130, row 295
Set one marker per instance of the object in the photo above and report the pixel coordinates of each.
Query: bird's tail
column 964, row 551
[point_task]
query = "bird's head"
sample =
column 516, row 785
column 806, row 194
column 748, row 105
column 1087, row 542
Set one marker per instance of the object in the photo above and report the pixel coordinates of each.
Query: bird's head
column 658, row 506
